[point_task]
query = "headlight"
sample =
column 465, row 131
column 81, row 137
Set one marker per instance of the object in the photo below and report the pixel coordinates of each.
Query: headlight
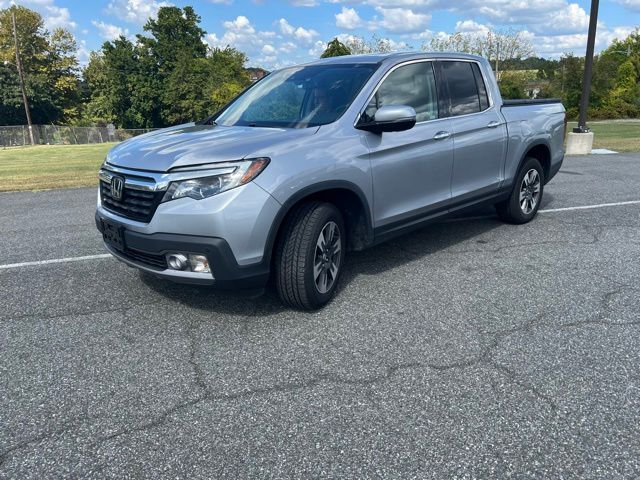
column 204, row 187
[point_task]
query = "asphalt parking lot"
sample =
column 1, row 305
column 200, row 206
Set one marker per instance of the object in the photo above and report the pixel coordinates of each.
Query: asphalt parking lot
column 471, row 349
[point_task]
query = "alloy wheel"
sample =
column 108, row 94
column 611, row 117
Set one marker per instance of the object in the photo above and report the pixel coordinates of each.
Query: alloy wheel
column 530, row 191
column 327, row 258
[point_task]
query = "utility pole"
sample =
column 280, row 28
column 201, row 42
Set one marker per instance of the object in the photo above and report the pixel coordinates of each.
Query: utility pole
column 588, row 68
column 21, row 76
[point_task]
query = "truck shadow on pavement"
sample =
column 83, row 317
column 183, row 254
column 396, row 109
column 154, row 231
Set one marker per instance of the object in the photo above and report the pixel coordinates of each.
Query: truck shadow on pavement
column 378, row 260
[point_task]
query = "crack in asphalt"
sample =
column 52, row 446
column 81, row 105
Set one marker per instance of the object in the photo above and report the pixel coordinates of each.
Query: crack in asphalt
column 65, row 427
column 484, row 358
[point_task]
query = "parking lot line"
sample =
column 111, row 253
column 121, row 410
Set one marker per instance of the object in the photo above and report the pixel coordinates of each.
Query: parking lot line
column 55, row 260
column 588, row 207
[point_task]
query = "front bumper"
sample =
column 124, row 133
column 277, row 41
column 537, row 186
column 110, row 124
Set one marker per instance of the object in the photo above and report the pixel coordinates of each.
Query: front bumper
column 145, row 251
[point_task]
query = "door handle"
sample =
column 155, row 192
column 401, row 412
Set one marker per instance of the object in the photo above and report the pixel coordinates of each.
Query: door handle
column 441, row 135
column 493, row 124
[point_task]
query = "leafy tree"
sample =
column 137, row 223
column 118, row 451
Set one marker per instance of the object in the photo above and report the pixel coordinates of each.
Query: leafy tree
column 110, row 76
column 175, row 34
column 335, row 48
column 50, row 67
column 198, row 87
column 32, row 37
column 62, row 70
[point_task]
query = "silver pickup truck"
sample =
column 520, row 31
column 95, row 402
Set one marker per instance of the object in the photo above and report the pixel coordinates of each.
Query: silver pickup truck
column 316, row 160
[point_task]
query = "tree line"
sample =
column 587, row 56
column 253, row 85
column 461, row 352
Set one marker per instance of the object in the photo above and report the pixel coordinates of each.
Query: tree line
column 168, row 75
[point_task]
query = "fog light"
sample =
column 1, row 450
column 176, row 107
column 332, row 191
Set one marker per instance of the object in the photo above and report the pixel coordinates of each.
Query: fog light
column 199, row 263
column 177, row 261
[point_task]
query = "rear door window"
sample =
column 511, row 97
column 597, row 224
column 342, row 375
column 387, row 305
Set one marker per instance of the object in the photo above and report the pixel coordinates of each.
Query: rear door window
column 463, row 89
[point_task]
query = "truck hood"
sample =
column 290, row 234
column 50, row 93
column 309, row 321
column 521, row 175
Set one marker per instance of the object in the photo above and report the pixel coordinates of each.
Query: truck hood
column 192, row 144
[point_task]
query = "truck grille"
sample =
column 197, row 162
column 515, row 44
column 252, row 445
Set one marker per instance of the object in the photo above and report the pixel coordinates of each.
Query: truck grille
column 137, row 205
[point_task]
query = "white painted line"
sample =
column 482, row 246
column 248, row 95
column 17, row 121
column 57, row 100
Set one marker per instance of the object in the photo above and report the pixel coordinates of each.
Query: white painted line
column 602, row 151
column 55, row 260
column 589, row 207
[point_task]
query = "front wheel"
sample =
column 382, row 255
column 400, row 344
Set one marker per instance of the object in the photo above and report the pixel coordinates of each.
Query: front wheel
column 524, row 201
column 310, row 255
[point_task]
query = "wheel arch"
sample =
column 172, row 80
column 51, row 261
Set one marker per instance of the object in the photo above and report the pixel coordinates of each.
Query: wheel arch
column 346, row 196
column 541, row 151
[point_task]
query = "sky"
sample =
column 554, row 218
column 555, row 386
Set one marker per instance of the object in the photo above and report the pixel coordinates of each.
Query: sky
column 274, row 34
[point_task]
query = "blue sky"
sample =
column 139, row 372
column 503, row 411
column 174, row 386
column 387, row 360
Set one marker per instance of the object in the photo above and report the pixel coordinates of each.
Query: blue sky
column 278, row 33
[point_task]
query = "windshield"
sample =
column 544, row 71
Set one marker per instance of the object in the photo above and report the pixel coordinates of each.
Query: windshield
column 298, row 97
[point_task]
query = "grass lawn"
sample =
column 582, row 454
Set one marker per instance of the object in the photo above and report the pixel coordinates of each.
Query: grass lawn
column 619, row 136
column 51, row 166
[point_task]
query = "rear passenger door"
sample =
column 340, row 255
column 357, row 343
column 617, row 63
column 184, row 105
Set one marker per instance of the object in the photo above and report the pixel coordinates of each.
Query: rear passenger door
column 479, row 131
column 411, row 169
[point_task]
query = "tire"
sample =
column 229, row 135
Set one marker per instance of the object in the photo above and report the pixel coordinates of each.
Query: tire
column 299, row 285
column 530, row 184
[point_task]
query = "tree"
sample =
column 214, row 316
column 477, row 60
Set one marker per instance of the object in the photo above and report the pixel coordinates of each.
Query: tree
column 175, row 33
column 198, row 87
column 165, row 79
column 499, row 47
column 62, row 69
column 335, row 48
column 50, row 68
column 110, row 76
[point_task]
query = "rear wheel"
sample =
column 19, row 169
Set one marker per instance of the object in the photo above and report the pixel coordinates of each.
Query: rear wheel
column 310, row 255
column 524, row 201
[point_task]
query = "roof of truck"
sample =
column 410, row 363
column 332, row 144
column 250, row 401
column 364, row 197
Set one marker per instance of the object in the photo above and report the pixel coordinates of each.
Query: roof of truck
column 381, row 57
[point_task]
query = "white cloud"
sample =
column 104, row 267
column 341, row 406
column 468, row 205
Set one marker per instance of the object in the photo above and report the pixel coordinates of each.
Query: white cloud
column 53, row 15
column 83, row 53
column 240, row 25
column 109, row 31
column 304, row 3
column 348, row 19
column 317, row 49
column 471, row 26
column 221, row 2
column 268, row 50
column 633, row 5
column 288, row 47
column 402, row 20
column 570, row 19
column 301, row 34
column 262, row 47
column 135, row 11
column 396, row 20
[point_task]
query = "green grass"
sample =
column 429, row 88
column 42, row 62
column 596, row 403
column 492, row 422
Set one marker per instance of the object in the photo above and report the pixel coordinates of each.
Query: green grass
column 51, row 166
column 619, row 136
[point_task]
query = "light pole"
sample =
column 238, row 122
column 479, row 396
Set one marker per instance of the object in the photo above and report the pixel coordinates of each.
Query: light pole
column 580, row 140
column 588, row 68
column 21, row 77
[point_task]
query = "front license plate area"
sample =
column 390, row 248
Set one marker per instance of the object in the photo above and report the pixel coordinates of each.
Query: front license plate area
column 113, row 235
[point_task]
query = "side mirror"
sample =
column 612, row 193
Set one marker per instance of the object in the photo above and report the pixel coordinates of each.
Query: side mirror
column 391, row 118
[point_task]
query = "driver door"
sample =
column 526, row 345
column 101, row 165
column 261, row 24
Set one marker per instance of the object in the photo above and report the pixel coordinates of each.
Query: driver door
column 411, row 169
